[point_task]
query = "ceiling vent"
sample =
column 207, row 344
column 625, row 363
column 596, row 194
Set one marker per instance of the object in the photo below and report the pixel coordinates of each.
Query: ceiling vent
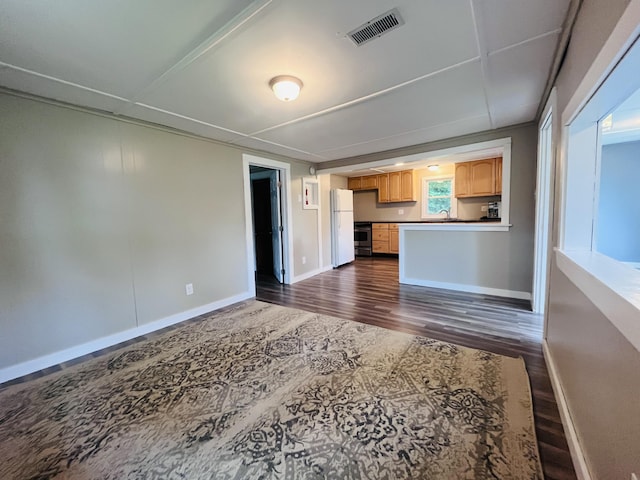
column 376, row 27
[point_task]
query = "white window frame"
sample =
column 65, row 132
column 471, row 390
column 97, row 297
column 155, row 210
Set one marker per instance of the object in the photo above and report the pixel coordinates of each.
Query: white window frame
column 610, row 285
column 453, row 211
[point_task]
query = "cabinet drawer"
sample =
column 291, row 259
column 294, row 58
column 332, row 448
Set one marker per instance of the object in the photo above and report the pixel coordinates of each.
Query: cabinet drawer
column 380, row 246
column 393, row 226
column 380, row 235
column 380, row 226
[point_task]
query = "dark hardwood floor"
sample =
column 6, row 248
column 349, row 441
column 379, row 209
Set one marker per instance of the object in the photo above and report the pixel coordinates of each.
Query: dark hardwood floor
column 368, row 291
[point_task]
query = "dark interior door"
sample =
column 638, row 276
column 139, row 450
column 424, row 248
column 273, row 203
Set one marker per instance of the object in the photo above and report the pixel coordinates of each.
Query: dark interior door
column 262, row 225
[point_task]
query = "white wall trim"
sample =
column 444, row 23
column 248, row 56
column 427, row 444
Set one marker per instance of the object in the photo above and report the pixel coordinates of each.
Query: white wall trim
column 621, row 38
column 457, row 226
column 287, row 215
column 461, row 287
column 30, row 366
column 610, row 285
column 577, row 454
column 312, row 273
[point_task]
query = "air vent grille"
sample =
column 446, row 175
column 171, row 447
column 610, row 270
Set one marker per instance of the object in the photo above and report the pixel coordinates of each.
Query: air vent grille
column 376, row 27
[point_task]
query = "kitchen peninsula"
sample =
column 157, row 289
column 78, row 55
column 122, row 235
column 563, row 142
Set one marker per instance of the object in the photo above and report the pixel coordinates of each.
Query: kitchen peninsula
column 467, row 252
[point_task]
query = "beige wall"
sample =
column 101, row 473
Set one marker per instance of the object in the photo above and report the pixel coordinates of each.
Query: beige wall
column 104, row 222
column 597, row 367
column 600, row 374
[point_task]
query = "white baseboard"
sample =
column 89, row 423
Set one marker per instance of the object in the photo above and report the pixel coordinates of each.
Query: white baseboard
column 577, row 455
column 310, row 274
column 30, row 366
column 498, row 292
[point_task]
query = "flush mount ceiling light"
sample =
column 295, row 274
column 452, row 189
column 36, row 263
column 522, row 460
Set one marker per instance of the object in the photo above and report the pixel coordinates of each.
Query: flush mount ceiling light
column 286, row 87
column 433, row 168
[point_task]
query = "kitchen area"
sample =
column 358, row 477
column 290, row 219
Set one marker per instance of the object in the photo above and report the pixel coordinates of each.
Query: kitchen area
column 446, row 221
column 466, row 192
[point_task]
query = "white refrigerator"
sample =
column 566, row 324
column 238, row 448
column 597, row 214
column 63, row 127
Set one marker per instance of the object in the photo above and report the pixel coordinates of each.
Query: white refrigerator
column 342, row 246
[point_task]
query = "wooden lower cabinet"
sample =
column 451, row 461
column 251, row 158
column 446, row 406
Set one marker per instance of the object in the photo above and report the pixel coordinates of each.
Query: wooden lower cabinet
column 385, row 238
column 394, row 244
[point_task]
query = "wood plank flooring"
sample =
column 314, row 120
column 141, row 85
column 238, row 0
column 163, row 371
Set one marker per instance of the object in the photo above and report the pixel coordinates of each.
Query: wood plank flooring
column 368, row 291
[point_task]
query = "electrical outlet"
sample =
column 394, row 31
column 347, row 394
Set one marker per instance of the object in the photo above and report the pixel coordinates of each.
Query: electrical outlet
column 483, row 208
column 401, row 212
column 189, row 288
column 304, row 260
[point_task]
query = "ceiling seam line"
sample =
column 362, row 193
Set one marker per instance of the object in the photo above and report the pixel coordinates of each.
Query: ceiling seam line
column 203, row 47
column 484, row 56
column 524, row 42
column 400, row 134
column 365, row 98
column 60, row 80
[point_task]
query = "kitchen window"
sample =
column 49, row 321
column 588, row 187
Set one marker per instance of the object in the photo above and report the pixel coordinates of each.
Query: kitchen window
column 438, row 196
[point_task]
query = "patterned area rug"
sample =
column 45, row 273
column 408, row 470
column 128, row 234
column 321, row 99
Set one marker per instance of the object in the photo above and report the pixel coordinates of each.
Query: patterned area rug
column 260, row 391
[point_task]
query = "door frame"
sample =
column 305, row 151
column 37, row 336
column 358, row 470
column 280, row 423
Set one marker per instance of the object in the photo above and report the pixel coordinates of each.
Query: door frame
column 285, row 199
column 544, row 198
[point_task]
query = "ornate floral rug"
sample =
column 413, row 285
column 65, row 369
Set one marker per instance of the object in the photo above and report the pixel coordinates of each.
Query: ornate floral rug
column 259, row 391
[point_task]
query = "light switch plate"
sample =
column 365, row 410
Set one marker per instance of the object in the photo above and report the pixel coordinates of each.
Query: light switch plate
column 189, row 288
column 401, row 212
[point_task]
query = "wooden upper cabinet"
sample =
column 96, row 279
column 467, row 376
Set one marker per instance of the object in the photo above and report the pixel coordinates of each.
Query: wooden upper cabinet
column 406, row 186
column 483, row 177
column 355, row 183
column 392, row 187
column 479, row 178
column 395, row 187
column 462, row 179
column 370, row 182
column 383, row 188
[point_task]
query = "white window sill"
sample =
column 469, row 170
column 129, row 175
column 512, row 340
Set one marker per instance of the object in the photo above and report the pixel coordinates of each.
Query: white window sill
column 457, row 226
column 612, row 286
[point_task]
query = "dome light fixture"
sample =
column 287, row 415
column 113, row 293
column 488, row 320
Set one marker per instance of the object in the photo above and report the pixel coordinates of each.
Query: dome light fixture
column 433, row 167
column 286, row 87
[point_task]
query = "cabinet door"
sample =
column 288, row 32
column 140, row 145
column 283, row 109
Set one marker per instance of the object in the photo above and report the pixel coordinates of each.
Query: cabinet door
column 395, row 194
column 354, row 183
column 499, row 175
column 393, row 238
column 462, row 179
column 383, row 188
column 370, row 182
column 406, row 186
column 483, row 177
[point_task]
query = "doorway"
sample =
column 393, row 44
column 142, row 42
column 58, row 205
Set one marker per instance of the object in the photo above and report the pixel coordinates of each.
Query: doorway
column 266, row 217
column 266, row 210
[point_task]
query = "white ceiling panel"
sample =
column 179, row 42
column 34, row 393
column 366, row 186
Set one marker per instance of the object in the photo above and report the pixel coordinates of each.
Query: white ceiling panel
column 517, row 76
column 507, row 22
column 294, row 41
column 117, row 46
column 258, row 144
column 416, row 137
column 503, row 117
column 440, row 99
column 204, row 66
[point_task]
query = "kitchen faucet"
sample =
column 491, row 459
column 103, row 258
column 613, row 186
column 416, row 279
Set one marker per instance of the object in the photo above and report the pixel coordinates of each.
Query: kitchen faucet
column 447, row 212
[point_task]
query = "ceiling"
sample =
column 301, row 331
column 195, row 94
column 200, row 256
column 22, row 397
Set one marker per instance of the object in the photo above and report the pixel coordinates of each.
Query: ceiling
column 455, row 67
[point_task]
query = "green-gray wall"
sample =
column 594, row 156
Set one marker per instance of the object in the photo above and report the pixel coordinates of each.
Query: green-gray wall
column 597, row 367
column 103, row 222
